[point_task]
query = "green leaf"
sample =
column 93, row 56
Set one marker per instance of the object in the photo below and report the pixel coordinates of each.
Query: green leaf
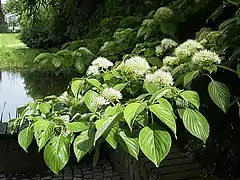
column 238, row 69
column 164, row 112
column 155, row 143
column 76, row 126
column 129, row 144
column 57, row 62
column 110, row 111
column 56, row 153
column 169, row 28
column 190, row 76
column 120, row 87
column 160, row 93
column 42, row 57
column 196, row 124
column 131, row 111
column 105, row 126
column 142, row 31
column 192, row 97
column 181, row 112
column 89, row 98
column 25, row 138
column 44, row 108
column 151, row 87
column 95, row 83
column 43, row 130
column 76, row 86
column 79, row 65
column 111, row 138
column 155, row 61
column 220, row 94
column 83, row 143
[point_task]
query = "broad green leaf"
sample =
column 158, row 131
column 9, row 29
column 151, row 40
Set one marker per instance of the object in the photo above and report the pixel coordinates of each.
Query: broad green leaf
column 105, row 126
column 151, row 88
column 192, row 97
column 190, row 76
column 142, row 31
column 181, row 112
column 57, row 62
column 129, row 144
column 43, row 130
column 164, row 112
column 111, row 138
column 110, row 111
column 79, row 64
column 89, row 99
column 76, row 126
column 76, row 86
column 155, row 143
column 196, row 124
column 120, row 87
column 220, row 94
column 83, row 143
column 95, row 83
column 155, row 61
column 131, row 111
column 160, row 93
column 25, row 138
column 44, row 108
column 56, row 153
column 42, row 57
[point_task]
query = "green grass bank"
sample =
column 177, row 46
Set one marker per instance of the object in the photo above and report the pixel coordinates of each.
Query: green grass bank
column 14, row 55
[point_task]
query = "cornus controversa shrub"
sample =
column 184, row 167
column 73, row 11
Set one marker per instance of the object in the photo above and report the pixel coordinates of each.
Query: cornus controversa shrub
column 129, row 103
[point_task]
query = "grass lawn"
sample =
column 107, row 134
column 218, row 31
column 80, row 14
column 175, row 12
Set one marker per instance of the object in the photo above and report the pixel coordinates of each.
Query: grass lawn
column 14, row 55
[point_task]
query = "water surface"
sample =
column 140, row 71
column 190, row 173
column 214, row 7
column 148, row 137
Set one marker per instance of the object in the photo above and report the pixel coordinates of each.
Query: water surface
column 12, row 94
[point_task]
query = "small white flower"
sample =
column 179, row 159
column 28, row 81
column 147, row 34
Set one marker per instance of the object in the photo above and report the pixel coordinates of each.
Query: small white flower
column 102, row 63
column 187, row 49
column 135, row 65
column 111, row 94
column 166, row 68
column 160, row 77
column 92, row 70
column 159, row 51
column 168, row 43
column 163, row 14
column 171, row 61
column 99, row 102
column 205, row 58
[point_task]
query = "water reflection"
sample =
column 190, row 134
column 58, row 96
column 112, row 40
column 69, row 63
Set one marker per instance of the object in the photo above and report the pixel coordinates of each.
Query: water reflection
column 12, row 94
column 17, row 89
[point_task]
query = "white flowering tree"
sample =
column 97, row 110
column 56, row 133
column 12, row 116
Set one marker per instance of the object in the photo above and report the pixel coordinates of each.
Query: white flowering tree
column 129, row 104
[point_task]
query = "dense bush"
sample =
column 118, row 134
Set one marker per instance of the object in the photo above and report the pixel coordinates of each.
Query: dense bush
column 120, row 31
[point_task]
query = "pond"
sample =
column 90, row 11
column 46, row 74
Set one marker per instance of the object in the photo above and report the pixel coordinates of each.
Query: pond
column 12, row 94
column 17, row 89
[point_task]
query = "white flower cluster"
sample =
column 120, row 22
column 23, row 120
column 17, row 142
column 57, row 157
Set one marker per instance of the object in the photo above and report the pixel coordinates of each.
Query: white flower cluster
column 187, row 49
column 166, row 68
column 164, row 14
column 171, row 61
column 99, row 63
column 92, row 70
column 100, row 101
column 111, row 94
column 135, row 65
column 205, row 58
column 160, row 77
column 168, row 43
